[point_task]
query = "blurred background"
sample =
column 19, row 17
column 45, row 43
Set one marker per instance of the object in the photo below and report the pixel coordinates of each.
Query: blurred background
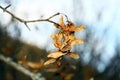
column 99, row 55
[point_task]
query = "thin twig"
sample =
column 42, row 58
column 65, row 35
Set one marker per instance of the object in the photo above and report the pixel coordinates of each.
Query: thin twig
column 8, row 6
column 5, row 10
column 30, row 21
column 18, row 67
column 65, row 16
column 54, row 15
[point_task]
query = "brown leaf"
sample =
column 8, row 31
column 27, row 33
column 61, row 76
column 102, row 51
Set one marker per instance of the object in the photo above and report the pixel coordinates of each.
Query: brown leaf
column 58, row 63
column 66, row 47
column 74, row 28
column 59, row 45
column 55, row 54
column 72, row 37
column 35, row 65
column 52, row 70
column 92, row 78
column 62, row 23
column 76, row 41
column 58, row 40
column 71, row 26
column 23, row 59
column 73, row 55
column 56, row 36
column 79, row 28
column 49, row 62
column 69, row 76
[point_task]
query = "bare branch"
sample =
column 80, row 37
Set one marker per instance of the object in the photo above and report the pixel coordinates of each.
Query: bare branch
column 5, row 10
column 30, row 21
column 8, row 6
column 53, row 15
column 34, row 76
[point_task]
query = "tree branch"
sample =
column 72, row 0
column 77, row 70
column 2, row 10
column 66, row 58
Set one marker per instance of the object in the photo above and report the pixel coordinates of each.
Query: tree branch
column 30, row 21
column 34, row 76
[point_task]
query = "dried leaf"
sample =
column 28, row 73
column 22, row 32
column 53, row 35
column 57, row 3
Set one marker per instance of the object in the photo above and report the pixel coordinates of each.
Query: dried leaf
column 52, row 70
column 49, row 61
column 55, row 54
column 66, row 48
column 59, row 45
column 56, row 36
column 69, row 38
column 58, row 63
column 76, row 41
column 58, row 40
column 73, row 55
column 53, row 36
column 92, row 78
column 22, row 60
column 62, row 23
column 35, row 65
column 72, row 37
column 71, row 26
column 69, row 76
column 79, row 28
column 35, row 70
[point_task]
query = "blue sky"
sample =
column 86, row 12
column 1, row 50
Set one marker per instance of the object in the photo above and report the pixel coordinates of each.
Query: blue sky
column 98, row 15
column 29, row 10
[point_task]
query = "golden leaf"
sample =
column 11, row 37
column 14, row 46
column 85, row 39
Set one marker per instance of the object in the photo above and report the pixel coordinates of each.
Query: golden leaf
column 59, row 45
column 72, row 37
column 53, row 36
column 23, row 59
column 69, row 38
column 51, row 70
column 62, row 23
column 35, row 65
column 73, row 55
column 57, row 38
column 74, row 28
column 69, row 76
column 92, row 78
column 58, row 63
column 55, row 54
column 71, row 26
column 66, row 40
column 79, row 28
column 49, row 61
column 76, row 41
column 66, row 47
